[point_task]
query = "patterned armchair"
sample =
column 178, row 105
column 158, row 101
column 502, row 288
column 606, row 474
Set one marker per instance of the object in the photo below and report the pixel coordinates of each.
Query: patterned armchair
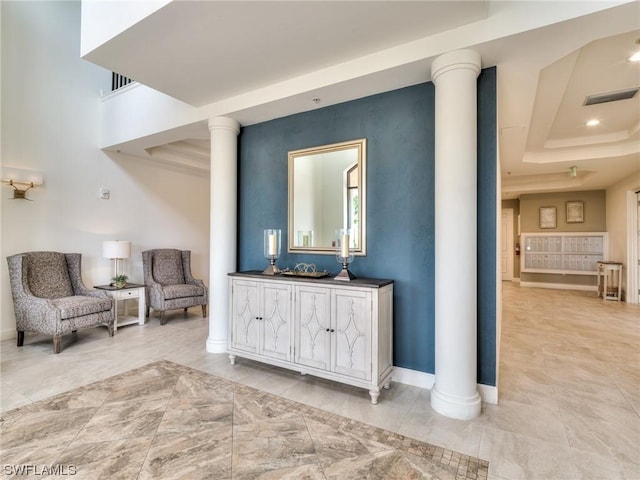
column 50, row 298
column 170, row 286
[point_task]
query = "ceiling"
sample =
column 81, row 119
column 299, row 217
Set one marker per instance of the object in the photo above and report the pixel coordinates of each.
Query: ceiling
column 224, row 57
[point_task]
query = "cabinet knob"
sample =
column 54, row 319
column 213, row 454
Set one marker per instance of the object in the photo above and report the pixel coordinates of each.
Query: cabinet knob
column 332, row 330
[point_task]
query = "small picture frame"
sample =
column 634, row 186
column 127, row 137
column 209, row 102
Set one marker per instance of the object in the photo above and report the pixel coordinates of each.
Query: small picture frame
column 575, row 211
column 548, row 217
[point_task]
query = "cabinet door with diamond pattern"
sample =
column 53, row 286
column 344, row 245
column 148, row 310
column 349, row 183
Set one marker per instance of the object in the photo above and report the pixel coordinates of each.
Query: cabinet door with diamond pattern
column 245, row 316
column 276, row 321
column 312, row 327
column 351, row 341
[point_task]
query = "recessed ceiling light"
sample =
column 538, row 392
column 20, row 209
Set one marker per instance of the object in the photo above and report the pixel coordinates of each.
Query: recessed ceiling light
column 593, row 122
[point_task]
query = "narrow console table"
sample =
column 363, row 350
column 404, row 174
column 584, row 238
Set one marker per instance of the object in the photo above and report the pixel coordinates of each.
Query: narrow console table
column 129, row 291
column 613, row 290
column 341, row 331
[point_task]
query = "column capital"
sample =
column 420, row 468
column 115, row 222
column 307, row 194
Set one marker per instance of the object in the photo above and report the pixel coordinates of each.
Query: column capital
column 456, row 60
column 224, row 123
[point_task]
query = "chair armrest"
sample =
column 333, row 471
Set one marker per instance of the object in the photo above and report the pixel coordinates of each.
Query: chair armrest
column 150, row 282
column 155, row 296
column 34, row 304
column 37, row 314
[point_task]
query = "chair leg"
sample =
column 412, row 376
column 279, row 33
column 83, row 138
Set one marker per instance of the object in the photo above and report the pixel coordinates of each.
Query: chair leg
column 110, row 329
column 147, row 311
column 56, row 343
column 204, row 311
column 163, row 319
column 185, row 310
column 20, row 338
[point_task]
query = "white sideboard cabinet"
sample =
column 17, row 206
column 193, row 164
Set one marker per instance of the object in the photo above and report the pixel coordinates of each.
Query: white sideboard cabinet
column 342, row 331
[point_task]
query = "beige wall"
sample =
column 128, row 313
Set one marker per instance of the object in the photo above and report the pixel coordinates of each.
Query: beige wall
column 594, row 211
column 595, row 220
column 617, row 221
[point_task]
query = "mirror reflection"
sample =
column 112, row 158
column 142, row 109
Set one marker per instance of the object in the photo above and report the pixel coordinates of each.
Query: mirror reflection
column 326, row 193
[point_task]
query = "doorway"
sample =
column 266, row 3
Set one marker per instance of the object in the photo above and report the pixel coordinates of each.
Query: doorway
column 506, row 244
column 633, row 247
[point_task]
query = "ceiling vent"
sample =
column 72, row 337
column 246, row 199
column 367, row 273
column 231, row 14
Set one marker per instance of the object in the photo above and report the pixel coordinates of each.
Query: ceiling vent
column 610, row 96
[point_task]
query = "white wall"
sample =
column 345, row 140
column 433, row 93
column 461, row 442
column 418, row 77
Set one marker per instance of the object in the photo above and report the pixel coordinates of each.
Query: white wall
column 102, row 20
column 50, row 122
column 617, row 227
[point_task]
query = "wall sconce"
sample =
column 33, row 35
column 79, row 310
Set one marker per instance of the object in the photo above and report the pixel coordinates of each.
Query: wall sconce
column 18, row 177
column 573, row 171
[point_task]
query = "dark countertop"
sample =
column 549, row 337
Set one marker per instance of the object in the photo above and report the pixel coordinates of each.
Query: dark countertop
column 357, row 282
column 111, row 287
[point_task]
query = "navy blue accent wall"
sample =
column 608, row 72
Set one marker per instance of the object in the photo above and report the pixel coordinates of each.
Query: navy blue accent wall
column 399, row 128
column 487, row 226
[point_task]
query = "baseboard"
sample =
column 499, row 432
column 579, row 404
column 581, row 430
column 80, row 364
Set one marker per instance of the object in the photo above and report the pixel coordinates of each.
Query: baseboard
column 560, row 286
column 488, row 393
column 8, row 334
column 413, row 378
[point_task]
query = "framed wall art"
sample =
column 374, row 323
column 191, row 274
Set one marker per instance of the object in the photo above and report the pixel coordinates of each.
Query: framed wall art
column 548, row 217
column 575, row 211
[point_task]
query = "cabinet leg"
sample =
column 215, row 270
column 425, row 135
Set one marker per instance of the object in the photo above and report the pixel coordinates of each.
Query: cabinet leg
column 387, row 385
column 232, row 359
column 374, row 396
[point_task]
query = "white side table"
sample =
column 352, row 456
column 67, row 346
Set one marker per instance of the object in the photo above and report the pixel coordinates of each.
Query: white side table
column 129, row 291
column 615, row 268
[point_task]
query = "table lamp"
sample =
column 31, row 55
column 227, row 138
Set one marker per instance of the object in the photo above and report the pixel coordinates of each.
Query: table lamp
column 116, row 250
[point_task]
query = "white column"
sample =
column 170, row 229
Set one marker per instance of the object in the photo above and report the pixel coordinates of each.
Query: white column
column 455, row 392
column 224, row 219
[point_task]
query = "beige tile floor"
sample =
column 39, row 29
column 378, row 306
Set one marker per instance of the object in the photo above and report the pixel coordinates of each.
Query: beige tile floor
column 168, row 421
column 569, row 384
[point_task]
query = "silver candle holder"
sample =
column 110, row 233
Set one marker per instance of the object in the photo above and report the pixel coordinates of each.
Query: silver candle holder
column 272, row 243
column 344, row 255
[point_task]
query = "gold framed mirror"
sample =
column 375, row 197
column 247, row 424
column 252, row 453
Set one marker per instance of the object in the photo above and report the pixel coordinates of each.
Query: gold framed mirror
column 327, row 191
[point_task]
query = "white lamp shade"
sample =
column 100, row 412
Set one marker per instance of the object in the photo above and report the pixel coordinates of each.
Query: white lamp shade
column 116, row 249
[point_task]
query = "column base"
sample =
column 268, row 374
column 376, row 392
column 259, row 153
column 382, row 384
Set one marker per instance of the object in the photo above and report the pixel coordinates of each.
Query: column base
column 461, row 408
column 216, row 345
